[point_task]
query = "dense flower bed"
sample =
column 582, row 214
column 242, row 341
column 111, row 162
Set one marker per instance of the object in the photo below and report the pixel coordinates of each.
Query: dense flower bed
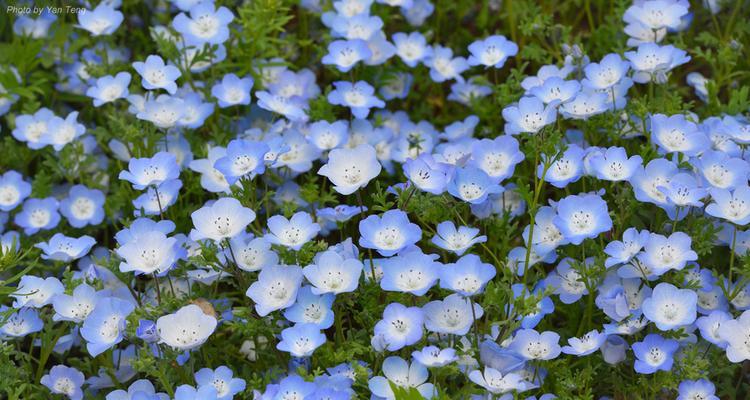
column 395, row 199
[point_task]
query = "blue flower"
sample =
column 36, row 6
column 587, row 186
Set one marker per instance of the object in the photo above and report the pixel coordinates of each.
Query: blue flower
column 102, row 20
column 65, row 380
column 222, row 379
column 389, row 233
column 585, row 105
column 332, row 273
column 530, row 115
column 105, row 326
column 32, row 128
column 654, row 353
column 206, row 24
column 646, row 182
column 359, row 97
column 651, row 62
column 301, row 340
column 656, row 15
column 157, row 199
column 275, row 289
column 427, row 174
column 432, row 356
column 670, row 308
column 397, row 85
column 64, row 248
column 109, row 88
column 411, row 48
column 556, row 90
column 185, row 329
column 250, row 253
column 75, row 307
column 351, row 169
column 621, row 252
column 38, row 214
column 20, row 323
column 345, row 54
column 141, row 389
column 340, row 213
column 472, row 185
column 662, row 254
column 605, row 74
column 720, row 170
column 232, row 91
column 83, row 206
column 164, row 112
column 329, row 135
column 564, row 169
column 401, row 326
column 443, row 66
column 734, row 333
column 311, row 309
column 155, row 74
column 223, row 219
column 468, row 91
column 582, row 217
column 456, row 240
column 243, row 158
column 294, row 232
column 543, row 306
column 492, row 51
column 468, row 276
column 697, row 389
column 212, row 180
column 533, row 345
column 400, row 373
column 359, row 26
column 292, row 108
column 497, row 383
column 187, row 392
column 453, row 315
column 683, row 191
column 13, row 190
column 567, row 282
column 676, row 134
column 709, row 327
column 150, row 252
column 410, row 272
column 33, row 291
column 146, row 331
column 195, row 111
column 144, row 172
column 586, row 344
column 614, row 165
column 732, row 206
column 61, row 132
column 497, row 157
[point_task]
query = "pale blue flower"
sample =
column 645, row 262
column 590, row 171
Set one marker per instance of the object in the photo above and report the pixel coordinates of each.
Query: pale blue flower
column 492, row 51
column 155, row 74
column 389, row 233
column 301, row 340
column 401, row 326
column 654, row 353
column 65, row 380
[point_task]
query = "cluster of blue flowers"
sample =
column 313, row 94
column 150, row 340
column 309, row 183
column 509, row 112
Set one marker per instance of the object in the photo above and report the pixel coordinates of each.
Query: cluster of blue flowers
column 334, row 245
